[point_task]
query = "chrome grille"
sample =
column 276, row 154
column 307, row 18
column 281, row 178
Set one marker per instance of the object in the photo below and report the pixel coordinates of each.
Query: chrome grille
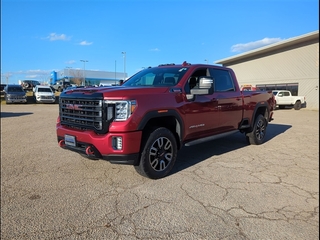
column 82, row 114
column 46, row 97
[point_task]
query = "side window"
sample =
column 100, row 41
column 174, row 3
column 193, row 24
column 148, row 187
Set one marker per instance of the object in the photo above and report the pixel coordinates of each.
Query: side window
column 222, row 80
column 193, row 81
column 286, row 94
column 147, row 79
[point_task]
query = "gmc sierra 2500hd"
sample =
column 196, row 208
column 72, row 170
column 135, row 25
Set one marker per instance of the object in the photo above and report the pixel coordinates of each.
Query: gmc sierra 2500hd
column 145, row 121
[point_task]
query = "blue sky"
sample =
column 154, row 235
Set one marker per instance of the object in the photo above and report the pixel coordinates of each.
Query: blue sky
column 39, row 36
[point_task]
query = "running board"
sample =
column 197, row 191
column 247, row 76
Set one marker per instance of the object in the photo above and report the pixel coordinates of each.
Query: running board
column 210, row 138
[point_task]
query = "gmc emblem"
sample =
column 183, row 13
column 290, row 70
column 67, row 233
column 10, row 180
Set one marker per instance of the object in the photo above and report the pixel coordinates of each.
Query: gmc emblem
column 73, row 106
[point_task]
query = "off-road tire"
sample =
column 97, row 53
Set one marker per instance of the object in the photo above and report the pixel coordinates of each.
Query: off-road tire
column 297, row 105
column 158, row 155
column 258, row 133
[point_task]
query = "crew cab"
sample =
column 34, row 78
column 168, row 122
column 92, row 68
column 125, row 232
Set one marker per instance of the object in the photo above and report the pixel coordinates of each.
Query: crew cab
column 284, row 99
column 145, row 121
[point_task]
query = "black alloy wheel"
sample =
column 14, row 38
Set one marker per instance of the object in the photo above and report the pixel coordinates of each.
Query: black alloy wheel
column 158, row 154
column 258, row 133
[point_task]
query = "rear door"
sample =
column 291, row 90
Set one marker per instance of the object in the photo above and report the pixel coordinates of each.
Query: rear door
column 287, row 98
column 229, row 99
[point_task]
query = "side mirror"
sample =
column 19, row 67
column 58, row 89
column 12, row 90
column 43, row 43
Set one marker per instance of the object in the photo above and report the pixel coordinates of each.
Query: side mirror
column 205, row 86
column 280, row 95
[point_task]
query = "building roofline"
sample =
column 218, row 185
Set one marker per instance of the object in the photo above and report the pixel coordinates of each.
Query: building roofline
column 285, row 43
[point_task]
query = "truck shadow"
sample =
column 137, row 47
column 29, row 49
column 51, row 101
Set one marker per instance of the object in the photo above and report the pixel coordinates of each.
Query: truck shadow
column 14, row 114
column 189, row 156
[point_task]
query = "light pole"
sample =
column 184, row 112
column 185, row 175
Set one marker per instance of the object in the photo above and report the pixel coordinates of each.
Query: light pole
column 115, row 72
column 84, row 71
column 124, row 66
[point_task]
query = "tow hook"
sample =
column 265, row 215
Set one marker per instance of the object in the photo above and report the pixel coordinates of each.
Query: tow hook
column 62, row 143
column 90, row 151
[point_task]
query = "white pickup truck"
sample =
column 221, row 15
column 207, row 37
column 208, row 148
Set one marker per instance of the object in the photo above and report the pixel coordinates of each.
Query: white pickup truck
column 284, row 98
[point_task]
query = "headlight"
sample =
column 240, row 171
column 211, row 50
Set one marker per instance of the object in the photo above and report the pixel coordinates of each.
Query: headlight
column 122, row 109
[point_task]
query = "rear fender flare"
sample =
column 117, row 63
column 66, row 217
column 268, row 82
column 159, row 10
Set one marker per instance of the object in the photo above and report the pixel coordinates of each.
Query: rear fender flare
column 258, row 109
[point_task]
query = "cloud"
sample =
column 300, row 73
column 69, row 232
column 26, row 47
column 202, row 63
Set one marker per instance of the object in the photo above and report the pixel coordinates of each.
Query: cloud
column 36, row 72
column 85, row 43
column 243, row 47
column 70, row 62
column 57, row 37
column 155, row 50
column 31, row 76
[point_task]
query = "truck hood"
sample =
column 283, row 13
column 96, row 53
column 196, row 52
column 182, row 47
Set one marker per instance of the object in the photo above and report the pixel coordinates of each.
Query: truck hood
column 44, row 94
column 16, row 93
column 118, row 91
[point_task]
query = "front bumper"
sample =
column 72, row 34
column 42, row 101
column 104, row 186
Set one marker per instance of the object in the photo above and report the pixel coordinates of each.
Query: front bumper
column 95, row 146
column 45, row 100
column 16, row 100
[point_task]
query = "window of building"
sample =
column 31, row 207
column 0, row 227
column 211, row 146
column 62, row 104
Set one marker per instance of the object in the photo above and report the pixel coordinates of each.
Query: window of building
column 292, row 87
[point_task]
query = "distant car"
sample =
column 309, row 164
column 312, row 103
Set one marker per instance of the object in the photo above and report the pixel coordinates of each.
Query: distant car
column 61, row 85
column 72, row 87
column 44, row 94
column 14, row 94
column 284, row 99
column 2, row 86
column 29, row 85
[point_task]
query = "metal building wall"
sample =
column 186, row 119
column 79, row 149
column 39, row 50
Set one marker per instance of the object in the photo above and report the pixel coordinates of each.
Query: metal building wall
column 295, row 64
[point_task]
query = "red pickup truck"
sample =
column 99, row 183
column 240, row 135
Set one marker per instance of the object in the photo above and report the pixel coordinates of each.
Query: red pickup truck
column 145, row 121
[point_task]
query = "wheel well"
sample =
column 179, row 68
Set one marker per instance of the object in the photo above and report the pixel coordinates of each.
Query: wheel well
column 263, row 111
column 169, row 122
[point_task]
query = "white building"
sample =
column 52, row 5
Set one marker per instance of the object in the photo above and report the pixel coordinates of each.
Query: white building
column 292, row 64
column 91, row 77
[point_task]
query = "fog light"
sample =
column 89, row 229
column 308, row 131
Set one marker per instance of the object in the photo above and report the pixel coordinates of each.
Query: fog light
column 117, row 143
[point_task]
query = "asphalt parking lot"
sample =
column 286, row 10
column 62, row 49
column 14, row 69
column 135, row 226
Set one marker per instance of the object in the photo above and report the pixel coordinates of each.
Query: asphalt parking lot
column 223, row 189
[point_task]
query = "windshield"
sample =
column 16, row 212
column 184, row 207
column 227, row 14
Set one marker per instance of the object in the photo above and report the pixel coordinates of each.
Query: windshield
column 275, row 92
column 15, row 89
column 44, row 90
column 162, row 76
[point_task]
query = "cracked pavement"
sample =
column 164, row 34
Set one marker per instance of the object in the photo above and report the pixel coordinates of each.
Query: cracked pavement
column 223, row 189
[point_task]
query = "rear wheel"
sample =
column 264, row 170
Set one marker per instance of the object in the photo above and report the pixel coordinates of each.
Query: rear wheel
column 258, row 133
column 158, row 155
column 297, row 105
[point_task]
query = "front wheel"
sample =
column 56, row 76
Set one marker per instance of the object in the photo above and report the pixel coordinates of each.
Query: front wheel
column 158, row 154
column 258, row 133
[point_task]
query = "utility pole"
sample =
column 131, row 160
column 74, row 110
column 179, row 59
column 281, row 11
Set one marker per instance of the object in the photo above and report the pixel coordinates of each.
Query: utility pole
column 115, row 72
column 84, row 71
column 124, row 66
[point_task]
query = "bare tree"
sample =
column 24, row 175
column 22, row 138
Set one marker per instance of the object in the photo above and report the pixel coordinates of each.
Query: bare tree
column 6, row 76
column 77, row 76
